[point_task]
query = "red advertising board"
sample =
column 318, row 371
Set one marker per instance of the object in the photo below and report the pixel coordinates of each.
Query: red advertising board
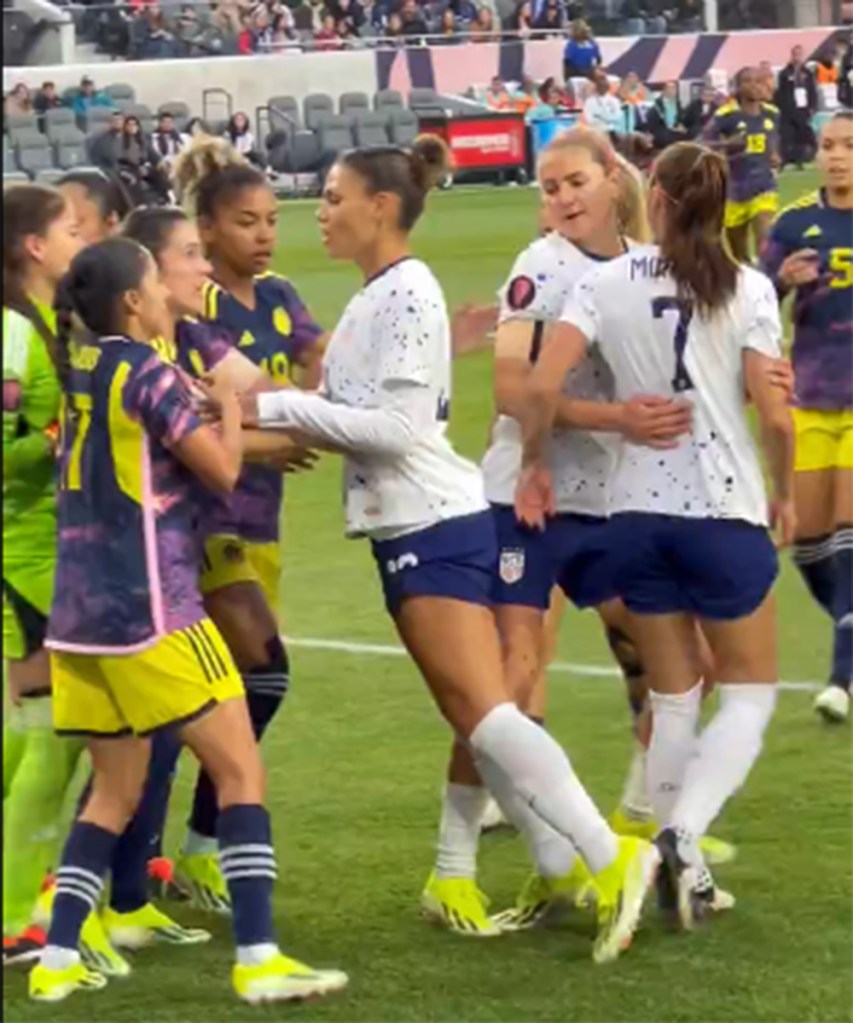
column 494, row 141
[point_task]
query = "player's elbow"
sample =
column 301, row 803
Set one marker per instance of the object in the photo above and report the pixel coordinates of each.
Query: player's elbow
column 509, row 391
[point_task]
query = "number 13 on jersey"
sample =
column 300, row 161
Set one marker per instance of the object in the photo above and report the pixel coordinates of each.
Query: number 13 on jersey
column 681, row 311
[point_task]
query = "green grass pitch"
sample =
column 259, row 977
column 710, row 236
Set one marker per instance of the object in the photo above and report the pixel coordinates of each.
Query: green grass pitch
column 357, row 754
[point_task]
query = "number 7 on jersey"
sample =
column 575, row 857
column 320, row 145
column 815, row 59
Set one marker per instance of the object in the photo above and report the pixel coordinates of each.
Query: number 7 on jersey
column 664, row 304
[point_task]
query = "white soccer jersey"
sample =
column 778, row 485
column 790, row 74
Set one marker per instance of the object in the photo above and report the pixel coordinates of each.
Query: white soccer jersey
column 655, row 345
column 538, row 286
column 395, row 332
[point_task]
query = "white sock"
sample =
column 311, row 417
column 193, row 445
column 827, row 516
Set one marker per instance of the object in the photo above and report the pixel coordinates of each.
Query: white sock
column 54, row 957
column 511, row 750
column 459, row 831
column 552, row 854
column 675, row 717
column 635, row 802
column 256, row 955
column 200, row 845
column 726, row 751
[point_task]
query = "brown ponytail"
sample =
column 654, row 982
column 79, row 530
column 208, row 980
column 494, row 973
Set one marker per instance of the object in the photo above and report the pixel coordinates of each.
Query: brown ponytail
column 27, row 210
column 691, row 182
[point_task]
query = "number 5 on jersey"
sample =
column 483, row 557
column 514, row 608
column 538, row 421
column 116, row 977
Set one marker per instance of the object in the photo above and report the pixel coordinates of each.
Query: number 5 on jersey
column 665, row 304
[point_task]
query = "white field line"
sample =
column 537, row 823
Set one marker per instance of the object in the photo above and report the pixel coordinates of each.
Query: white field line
column 344, row 646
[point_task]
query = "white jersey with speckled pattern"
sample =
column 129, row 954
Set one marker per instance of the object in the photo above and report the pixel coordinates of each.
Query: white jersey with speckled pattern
column 655, row 343
column 391, row 344
column 541, row 279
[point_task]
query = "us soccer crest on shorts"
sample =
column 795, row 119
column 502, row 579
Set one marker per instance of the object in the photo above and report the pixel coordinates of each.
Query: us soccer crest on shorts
column 512, row 565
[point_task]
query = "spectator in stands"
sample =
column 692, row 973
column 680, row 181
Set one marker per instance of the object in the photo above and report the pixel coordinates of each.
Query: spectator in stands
column 552, row 101
column 167, row 141
column 89, row 97
column 632, row 91
column 767, row 81
column 239, row 134
column 327, row 38
column 845, row 75
column 497, row 97
column 826, row 68
column 19, row 100
column 483, row 28
column 46, row 98
column 188, row 29
column 699, row 112
column 226, row 18
column 666, row 121
column 465, row 10
column 601, row 109
column 525, row 97
column 282, row 30
column 521, row 20
column 413, row 22
column 247, row 40
column 196, row 128
column 581, row 55
column 449, row 33
column 139, row 165
column 153, row 40
column 796, row 97
column 349, row 11
column 106, row 148
column 549, row 21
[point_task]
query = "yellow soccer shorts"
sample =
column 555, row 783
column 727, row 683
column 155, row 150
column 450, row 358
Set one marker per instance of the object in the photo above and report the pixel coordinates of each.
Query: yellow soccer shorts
column 740, row 213
column 174, row 681
column 824, row 439
column 230, row 559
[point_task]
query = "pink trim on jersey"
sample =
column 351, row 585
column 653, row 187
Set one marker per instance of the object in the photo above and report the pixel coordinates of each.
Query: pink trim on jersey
column 102, row 651
column 149, row 531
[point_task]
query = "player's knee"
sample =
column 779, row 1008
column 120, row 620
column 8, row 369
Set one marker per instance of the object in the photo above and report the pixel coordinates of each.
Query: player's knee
column 521, row 670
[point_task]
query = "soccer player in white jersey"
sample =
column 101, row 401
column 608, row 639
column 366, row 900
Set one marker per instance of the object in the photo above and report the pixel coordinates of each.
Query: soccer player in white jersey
column 385, row 403
column 591, row 201
column 690, row 523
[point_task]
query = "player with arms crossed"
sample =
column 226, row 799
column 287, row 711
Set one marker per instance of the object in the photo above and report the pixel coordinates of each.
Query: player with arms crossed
column 810, row 253
column 689, row 524
column 747, row 130
column 385, row 403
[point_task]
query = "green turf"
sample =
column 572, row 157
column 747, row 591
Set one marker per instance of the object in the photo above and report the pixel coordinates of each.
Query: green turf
column 355, row 767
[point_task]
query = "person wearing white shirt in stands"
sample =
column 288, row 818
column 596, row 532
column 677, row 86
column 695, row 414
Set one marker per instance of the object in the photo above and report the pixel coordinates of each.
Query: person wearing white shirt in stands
column 689, row 524
column 385, row 404
column 603, row 110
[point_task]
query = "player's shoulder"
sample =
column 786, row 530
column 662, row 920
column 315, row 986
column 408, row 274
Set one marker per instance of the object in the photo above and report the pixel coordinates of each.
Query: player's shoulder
column 213, row 295
column 770, row 108
column 275, row 284
column 406, row 279
column 756, row 293
column 17, row 331
column 726, row 109
column 798, row 213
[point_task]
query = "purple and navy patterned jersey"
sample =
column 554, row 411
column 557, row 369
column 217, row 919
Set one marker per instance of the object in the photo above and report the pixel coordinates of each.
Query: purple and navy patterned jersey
column 274, row 335
column 752, row 139
column 823, row 311
column 129, row 557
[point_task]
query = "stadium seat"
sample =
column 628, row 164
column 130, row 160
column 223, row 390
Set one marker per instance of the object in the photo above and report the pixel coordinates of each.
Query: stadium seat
column 15, row 178
column 49, row 176
column 403, row 127
column 179, row 110
column 314, row 107
column 140, row 111
column 352, row 104
column 300, row 153
column 419, row 98
column 70, row 154
column 9, row 165
column 59, row 116
column 34, row 155
column 634, row 27
column 27, row 134
column 121, row 92
column 18, row 122
column 387, row 99
column 284, row 113
column 335, row 134
column 371, row 129
column 97, row 119
column 69, row 95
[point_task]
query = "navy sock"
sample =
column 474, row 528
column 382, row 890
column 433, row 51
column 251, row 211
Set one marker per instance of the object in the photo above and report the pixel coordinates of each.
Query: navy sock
column 266, row 687
column 842, row 607
column 141, row 838
column 814, row 558
column 79, row 881
column 248, row 864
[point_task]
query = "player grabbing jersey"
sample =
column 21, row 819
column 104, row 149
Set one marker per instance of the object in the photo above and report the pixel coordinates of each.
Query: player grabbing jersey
column 747, row 130
column 810, row 252
column 385, row 401
column 689, row 524
column 132, row 649
column 237, row 218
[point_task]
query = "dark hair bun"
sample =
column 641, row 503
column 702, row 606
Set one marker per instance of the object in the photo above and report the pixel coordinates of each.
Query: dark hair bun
column 431, row 161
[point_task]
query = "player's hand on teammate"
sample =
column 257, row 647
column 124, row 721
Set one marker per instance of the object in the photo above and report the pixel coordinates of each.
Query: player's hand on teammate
column 656, row 422
column 534, row 496
column 800, row 268
column 298, row 458
column 249, row 410
column 470, row 326
column 781, row 374
column 783, row 521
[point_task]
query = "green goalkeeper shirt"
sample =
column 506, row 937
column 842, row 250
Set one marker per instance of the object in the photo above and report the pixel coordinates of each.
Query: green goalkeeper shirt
column 31, row 396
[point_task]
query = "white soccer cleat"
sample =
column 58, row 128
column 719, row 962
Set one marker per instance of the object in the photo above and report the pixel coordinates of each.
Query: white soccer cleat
column 833, row 704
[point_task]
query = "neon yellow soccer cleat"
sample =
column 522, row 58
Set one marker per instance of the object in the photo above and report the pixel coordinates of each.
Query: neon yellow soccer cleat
column 458, row 904
column 55, row 985
column 97, row 951
column 282, row 979
column 543, row 899
column 622, row 890
column 148, row 925
column 714, row 850
column 200, row 876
